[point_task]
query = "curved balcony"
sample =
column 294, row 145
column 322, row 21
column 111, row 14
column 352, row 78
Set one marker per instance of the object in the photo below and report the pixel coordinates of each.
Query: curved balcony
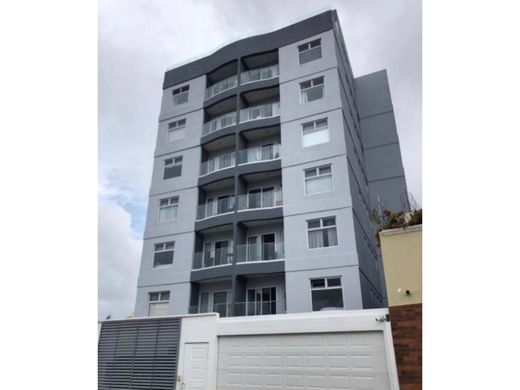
column 262, row 111
column 260, row 200
column 266, row 73
column 259, row 153
column 221, row 86
column 214, row 208
column 217, row 163
column 260, row 252
column 221, row 122
column 219, row 257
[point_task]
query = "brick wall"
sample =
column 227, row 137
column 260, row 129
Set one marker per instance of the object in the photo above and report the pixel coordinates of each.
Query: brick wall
column 406, row 321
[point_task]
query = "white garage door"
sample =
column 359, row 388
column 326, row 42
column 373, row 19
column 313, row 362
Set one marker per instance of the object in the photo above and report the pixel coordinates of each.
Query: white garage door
column 354, row 360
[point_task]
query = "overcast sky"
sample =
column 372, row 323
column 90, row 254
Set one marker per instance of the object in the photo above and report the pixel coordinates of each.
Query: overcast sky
column 139, row 40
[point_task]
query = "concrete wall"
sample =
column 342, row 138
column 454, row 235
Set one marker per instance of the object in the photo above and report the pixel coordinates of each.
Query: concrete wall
column 402, row 259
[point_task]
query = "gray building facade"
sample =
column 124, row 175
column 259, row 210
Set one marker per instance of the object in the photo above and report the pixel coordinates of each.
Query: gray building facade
column 270, row 157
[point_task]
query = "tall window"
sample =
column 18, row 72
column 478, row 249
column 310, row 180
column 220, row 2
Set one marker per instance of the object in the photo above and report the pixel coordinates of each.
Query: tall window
column 168, row 208
column 309, row 51
column 311, row 90
column 158, row 303
column 172, row 167
column 176, row 130
column 315, row 132
column 326, row 293
column 322, row 232
column 318, row 180
column 180, row 95
column 163, row 253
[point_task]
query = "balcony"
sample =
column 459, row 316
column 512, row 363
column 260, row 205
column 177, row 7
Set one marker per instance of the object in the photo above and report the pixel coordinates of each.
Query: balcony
column 259, row 153
column 224, row 309
column 263, row 111
column 265, row 73
column 218, row 257
column 260, row 199
column 223, row 205
column 220, row 122
column 217, row 163
column 260, row 252
column 254, row 308
column 261, row 308
column 221, row 86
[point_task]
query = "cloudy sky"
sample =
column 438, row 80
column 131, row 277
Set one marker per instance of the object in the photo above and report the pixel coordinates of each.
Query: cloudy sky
column 139, row 40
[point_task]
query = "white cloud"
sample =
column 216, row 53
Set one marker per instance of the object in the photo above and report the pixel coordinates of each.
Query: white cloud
column 119, row 255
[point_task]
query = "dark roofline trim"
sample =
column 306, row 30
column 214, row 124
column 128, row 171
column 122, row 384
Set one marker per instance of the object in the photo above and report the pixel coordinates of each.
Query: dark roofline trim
column 257, row 44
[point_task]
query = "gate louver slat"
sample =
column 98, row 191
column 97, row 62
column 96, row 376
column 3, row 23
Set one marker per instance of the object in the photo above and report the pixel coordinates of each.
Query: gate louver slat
column 138, row 354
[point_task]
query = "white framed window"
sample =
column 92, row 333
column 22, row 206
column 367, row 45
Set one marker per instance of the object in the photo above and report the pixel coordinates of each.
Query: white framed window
column 168, row 208
column 322, row 233
column 315, row 132
column 158, row 303
column 318, row 180
column 180, row 95
column 172, row 167
column 312, row 89
column 309, row 51
column 163, row 253
column 326, row 293
column 176, row 130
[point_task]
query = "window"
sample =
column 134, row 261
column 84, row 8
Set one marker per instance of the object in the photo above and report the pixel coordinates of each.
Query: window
column 163, row 253
column 326, row 293
column 158, row 303
column 168, row 208
column 318, row 180
column 322, row 232
column 176, row 130
column 172, row 167
column 309, row 51
column 180, row 95
column 316, row 132
column 312, row 90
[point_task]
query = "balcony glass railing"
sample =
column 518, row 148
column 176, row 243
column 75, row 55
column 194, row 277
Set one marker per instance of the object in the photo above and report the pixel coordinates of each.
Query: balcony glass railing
column 253, row 75
column 221, row 256
column 221, row 86
column 260, row 252
column 261, row 308
column 216, row 207
column 260, row 112
column 260, row 199
column 224, row 309
column 220, row 122
column 223, row 161
column 242, row 308
column 259, row 153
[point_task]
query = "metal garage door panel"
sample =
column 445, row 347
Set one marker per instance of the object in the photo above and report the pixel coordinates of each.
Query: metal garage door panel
column 354, row 360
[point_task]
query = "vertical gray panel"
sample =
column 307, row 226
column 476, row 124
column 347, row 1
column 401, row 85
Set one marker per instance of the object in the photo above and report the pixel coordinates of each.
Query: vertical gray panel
column 139, row 354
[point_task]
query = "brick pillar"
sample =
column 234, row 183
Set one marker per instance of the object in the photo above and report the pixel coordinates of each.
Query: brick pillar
column 406, row 321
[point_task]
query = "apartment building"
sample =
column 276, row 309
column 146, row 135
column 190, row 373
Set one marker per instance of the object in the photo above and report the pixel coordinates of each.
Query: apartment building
column 270, row 157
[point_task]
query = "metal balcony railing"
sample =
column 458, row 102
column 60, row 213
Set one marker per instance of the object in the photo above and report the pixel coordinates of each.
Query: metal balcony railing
column 221, row 86
column 221, row 256
column 260, row 200
column 259, row 74
column 220, row 122
column 260, row 112
column 242, row 308
column 216, row 207
column 223, row 161
column 259, row 153
column 224, row 309
column 260, row 252
column 261, row 308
